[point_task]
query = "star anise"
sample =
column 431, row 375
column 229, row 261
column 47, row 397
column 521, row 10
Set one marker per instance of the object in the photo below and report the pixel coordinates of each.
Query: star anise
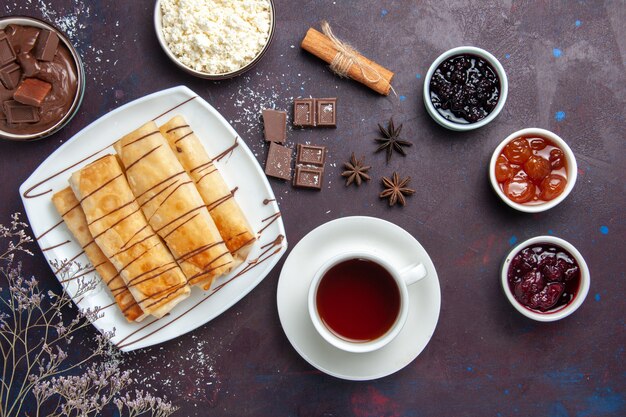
column 395, row 189
column 355, row 171
column 391, row 140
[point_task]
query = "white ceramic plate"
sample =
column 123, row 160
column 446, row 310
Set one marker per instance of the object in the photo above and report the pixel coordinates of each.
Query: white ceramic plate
column 240, row 169
column 342, row 235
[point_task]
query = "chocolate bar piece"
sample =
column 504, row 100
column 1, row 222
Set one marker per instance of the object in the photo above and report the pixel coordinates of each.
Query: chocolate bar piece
column 311, row 155
column 32, row 91
column 326, row 111
column 22, row 38
column 46, row 46
column 29, row 64
column 304, row 112
column 275, row 125
column 278, row 163
column 10, row 75
column 308, row 177
column 20, row 113
column 7, row 54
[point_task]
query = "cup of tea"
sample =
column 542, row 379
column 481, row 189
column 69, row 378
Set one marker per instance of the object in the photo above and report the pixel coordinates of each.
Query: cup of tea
column 359, row 302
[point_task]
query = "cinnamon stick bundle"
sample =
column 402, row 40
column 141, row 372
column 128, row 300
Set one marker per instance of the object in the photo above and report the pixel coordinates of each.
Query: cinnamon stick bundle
column 346, row 61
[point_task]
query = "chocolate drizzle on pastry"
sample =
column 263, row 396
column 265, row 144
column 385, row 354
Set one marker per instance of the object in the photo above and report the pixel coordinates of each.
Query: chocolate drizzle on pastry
column 142, row 236
column 270, row 250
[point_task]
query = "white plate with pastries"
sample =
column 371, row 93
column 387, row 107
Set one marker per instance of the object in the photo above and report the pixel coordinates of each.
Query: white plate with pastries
column 237, row 169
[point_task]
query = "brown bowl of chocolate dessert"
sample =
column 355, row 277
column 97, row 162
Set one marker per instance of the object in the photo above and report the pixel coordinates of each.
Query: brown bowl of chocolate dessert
column 42, row 79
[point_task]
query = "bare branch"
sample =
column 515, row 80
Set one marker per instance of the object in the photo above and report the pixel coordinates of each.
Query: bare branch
column 34, row 334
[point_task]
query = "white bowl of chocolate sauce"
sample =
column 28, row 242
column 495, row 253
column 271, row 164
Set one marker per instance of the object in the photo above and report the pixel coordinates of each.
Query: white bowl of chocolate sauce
column 42, row 79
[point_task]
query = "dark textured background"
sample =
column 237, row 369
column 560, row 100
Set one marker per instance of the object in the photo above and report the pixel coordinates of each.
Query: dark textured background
column 565, row 63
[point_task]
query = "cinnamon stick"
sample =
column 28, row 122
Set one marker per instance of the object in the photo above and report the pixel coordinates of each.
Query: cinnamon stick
column 364, row 70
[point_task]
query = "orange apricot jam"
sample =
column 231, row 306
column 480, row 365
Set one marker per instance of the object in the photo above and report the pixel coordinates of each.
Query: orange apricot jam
column 531, row 170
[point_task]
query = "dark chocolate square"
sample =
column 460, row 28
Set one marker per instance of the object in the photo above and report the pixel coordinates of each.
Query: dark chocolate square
column 275, row 125
column 304, row 112
column 311, row 155
column 308, row 177
column 46, row 46
column 20, row 113
column 278, row 162
column 7, row 54
column 10, row 75
column 29, row 64
column 326, row 112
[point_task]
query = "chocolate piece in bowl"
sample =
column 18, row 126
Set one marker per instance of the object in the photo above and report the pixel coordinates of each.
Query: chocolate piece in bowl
column 304, row 112
column 278, row 163
column 46, row 45
column 7, row 53
column 5, row 94
column 326, row 112
column 32, row 92
column 311, row 155
column 10, row 75
column 22, row 37
column 308, row 177
column 275, row 125
column 28, row 63
column 16, row 113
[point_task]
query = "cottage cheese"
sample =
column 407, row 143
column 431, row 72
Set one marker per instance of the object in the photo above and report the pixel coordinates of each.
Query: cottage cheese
column 216, row 36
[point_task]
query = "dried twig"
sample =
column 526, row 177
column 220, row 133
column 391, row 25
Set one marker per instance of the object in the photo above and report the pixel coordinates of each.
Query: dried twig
column 34, row 339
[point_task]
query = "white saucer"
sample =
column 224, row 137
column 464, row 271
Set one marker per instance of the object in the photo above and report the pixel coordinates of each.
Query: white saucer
column 353, row 233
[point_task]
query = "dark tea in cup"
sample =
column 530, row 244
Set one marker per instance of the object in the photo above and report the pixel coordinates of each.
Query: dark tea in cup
column 358, row 300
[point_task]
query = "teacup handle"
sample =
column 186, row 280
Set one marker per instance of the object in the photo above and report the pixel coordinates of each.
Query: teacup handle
column 413, row 273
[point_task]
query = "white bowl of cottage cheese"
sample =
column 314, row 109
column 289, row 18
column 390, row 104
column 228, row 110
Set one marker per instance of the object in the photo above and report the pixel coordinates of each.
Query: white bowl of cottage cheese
column 214, row 39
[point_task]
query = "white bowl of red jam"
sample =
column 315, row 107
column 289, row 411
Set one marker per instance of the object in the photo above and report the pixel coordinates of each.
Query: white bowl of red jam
column 465, row 88
column 545, row 278
column 533, row 170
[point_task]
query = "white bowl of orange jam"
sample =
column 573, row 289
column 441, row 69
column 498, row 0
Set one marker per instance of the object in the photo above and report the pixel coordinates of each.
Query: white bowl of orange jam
column 533, row 170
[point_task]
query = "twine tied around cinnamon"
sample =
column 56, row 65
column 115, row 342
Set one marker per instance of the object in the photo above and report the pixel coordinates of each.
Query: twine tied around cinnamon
column 347, row 56
column 346, row 61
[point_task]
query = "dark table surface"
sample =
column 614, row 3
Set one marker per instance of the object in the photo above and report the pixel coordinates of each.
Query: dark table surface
column 566, row 69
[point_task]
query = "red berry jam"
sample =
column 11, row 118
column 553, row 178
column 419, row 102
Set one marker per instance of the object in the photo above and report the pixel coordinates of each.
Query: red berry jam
column 464, row 89
column 544, row 277
column 531, row 170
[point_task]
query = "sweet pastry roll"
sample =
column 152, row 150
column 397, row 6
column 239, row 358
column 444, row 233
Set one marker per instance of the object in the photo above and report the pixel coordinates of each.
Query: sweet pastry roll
column 120, row 229
column 172, row 205
column 72, row 213
column 218, row 197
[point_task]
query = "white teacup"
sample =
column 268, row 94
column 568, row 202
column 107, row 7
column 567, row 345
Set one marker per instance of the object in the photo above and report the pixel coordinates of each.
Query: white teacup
column 401, row 278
